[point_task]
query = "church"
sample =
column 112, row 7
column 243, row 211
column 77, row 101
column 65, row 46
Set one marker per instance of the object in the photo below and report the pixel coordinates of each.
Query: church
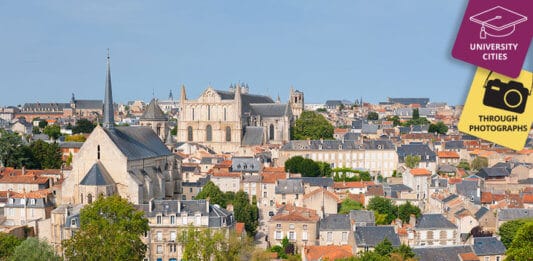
column 227, row 120
column 132, row 162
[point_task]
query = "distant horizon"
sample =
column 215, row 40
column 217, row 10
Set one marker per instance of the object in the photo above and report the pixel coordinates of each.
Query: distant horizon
column 55, row 48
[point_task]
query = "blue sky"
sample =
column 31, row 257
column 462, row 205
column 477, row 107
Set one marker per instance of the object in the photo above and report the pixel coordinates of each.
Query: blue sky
column 328, row 49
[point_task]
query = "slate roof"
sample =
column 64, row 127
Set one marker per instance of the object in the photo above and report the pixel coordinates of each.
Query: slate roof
column 333, row 103
column 46, row 107
column 443, row 253
column 404, row 130
column 514, row 213
column 318, row 181
column 434, row 221
column 454, row 145
column 339, row 222
column 246, row 99
column 362, row 216
column 481, row 212
column 270, row 109
column 97, row 176
column 351, row 136
column 419, row 149
column 372, row 235
column 493, row 172
column 378, row 145
column 153, row 112
column 369, row 129
column 137, row 142
column 449, row 198
column 486, row 246
column 357, row 124
column 246, row 164
column 438, row 182
column 89, row 104
column 253, row 136
column 70, row 144
column 321, row 145
column 468, row 189
column 289, row 186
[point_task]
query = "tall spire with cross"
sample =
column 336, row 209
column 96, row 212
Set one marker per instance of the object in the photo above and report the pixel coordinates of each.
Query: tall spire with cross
column 109, row 111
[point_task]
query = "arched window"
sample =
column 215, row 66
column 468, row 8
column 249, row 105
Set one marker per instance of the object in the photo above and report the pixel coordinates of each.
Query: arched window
column 89, row 199
column 189, row 133
column 158, row 128
column 271, row 132
column 228, row 133
column 98, row 152
column 224, row 114
column 208, row 133
column 208, row 112
column 193, row 114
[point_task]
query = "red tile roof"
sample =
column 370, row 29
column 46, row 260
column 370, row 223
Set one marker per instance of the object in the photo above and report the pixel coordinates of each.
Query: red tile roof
column 297, row 214
column 315, row 253
column 272, row 177
column 469, row 256
column 448, row 154
column 320, row 190
column 239, row 228
column 420, row 172
column 32, row 194
column 528, row 198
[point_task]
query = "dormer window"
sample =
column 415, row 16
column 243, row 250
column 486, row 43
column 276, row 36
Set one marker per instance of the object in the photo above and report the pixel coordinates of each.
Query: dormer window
column 32, row 201
column 73, row 222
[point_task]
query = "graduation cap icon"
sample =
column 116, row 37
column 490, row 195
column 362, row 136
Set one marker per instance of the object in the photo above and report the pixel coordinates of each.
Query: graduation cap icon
column 497, row 22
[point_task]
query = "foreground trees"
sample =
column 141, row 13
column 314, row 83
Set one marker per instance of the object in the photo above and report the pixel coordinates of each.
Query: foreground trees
column 109, row 228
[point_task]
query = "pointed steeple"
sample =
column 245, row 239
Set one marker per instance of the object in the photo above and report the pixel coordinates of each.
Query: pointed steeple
column 171, row 96
column 278, row 100
column 183, row 95
column 238, row 99
column 109, row 112
column 169, row 141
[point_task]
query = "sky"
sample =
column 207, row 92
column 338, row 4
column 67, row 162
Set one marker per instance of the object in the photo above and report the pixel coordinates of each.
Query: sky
column 327, row 49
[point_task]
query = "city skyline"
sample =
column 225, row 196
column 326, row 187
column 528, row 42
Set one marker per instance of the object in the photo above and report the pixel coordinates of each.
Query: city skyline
column 355, row 49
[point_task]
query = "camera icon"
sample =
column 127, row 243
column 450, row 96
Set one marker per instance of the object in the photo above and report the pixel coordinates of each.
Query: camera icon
column 511, row 96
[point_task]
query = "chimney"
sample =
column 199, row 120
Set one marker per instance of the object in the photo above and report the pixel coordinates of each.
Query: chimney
column 23, row 170
column 150, row 205
column 207, row 206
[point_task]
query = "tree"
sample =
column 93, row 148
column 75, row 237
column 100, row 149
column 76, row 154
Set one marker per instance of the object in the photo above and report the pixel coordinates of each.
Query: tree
column 312, row 125
column 246, row 212
column 508, row 230
column 83, row 126
column 174, row 131
column 201, row 244
column 372, row 116
column 307, row 167
column 53, row 131
column 411, row 161
column 464, row 165
column 404, row 252
column 110, row 227
column 395, row 120
column 479, row 163
column 34, row 249
column 384, row 248
column 8, row 243
column 11, row 149
column 522, row 246
column 416, row 114
column 75, row 138
column 349, row 204
column 383, row 206
column 215, row 195
column 293, row 164
column 325, row 168
column 406, row 210
column 440, row 128
column 45, row 155
column 43, row 124
column 321, row 110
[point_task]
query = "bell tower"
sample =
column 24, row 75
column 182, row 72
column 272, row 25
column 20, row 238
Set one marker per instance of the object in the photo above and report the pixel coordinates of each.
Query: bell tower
column 296, row 101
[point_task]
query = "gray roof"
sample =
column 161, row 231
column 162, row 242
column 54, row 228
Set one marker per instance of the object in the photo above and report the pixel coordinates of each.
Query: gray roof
column 447, row 168
column 318, row 181
column 369, row 129
column 97, row 176
column 378, row 145
column 351, row 136
column 357, row 124
column 48, row 107
column 211, row 160
column 360, row 216
column 246, row 99
column 438, row 182
column 70, row 144
column 289, row 186
column 333, row 103
column 419, row 149
column 486, row 246
column 245, row 164
column 199, row 183
column 481, row 212
column 189, row 168
column 454, row 145
column 372, row 235
column 89, row 104
column 493, row 172
column 434, row 221
column 514, row 213
column 321, row 145
column 335, row 222
column 468, row 189
column 253, row 136
column 138, row 142
column 449, row 198
column 443, row 253
column 270, row 109
column 153, row 112
column 408, row 101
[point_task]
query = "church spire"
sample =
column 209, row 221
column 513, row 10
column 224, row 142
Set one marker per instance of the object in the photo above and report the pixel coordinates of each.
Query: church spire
column 183, row 95
column 109, row 112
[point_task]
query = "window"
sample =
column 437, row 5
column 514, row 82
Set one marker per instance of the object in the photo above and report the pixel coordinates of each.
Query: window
column 305, row 227
column 193, row 114
column 197, row 219
column 291, row 226
column 159, row 249
column 292, row 235
column 279, row 235
column 344, row 236
column 189, row 133
column 184, row 219
column 487, row 258
column 208, row 133
column 97, row 153
column 330, row 236
column 224, row 114
column 73, row 222
column 498, row 258
column 158, row 219
column 190, row 189
column 89, row 199
column 304, row 236
column 228, row 133
column 32, row 201
column 173, row 235
column 172, row 220
column 278, row 226
column 271, row 132
column 208, row 112
column 159, row 236
column 264, row 194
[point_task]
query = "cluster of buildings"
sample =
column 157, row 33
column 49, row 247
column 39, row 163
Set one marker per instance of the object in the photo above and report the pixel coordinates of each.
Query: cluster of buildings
column 240, row 141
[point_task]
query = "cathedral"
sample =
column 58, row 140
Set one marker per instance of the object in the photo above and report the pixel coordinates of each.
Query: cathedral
column 227, row 120
column 132, row 162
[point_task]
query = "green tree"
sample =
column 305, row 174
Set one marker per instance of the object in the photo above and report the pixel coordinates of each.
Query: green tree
column 45, row 155
column 406, row 210
column 215, row 195
column 53, row 131
column 508, row 230
column 411, row 161
column 440, row 128
column 75, row 138
column 522, row 246
column 383, row 206
column 479, row 163
column 246, row 212
column 384, row 248
column 321, row 110
column 416, row 114
column 403, row 252
column 372, row 116
column 307, row 167
column 83, row 126
column 312, row 125
column 12, row 152
column 43, row 124
column 34, row 249
column 69, row 159
column 174, row 131
column 110, row 227
column 464, row 165
column 8, row 243
column 325, row 168
column 349, row 204
column 395, row 120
